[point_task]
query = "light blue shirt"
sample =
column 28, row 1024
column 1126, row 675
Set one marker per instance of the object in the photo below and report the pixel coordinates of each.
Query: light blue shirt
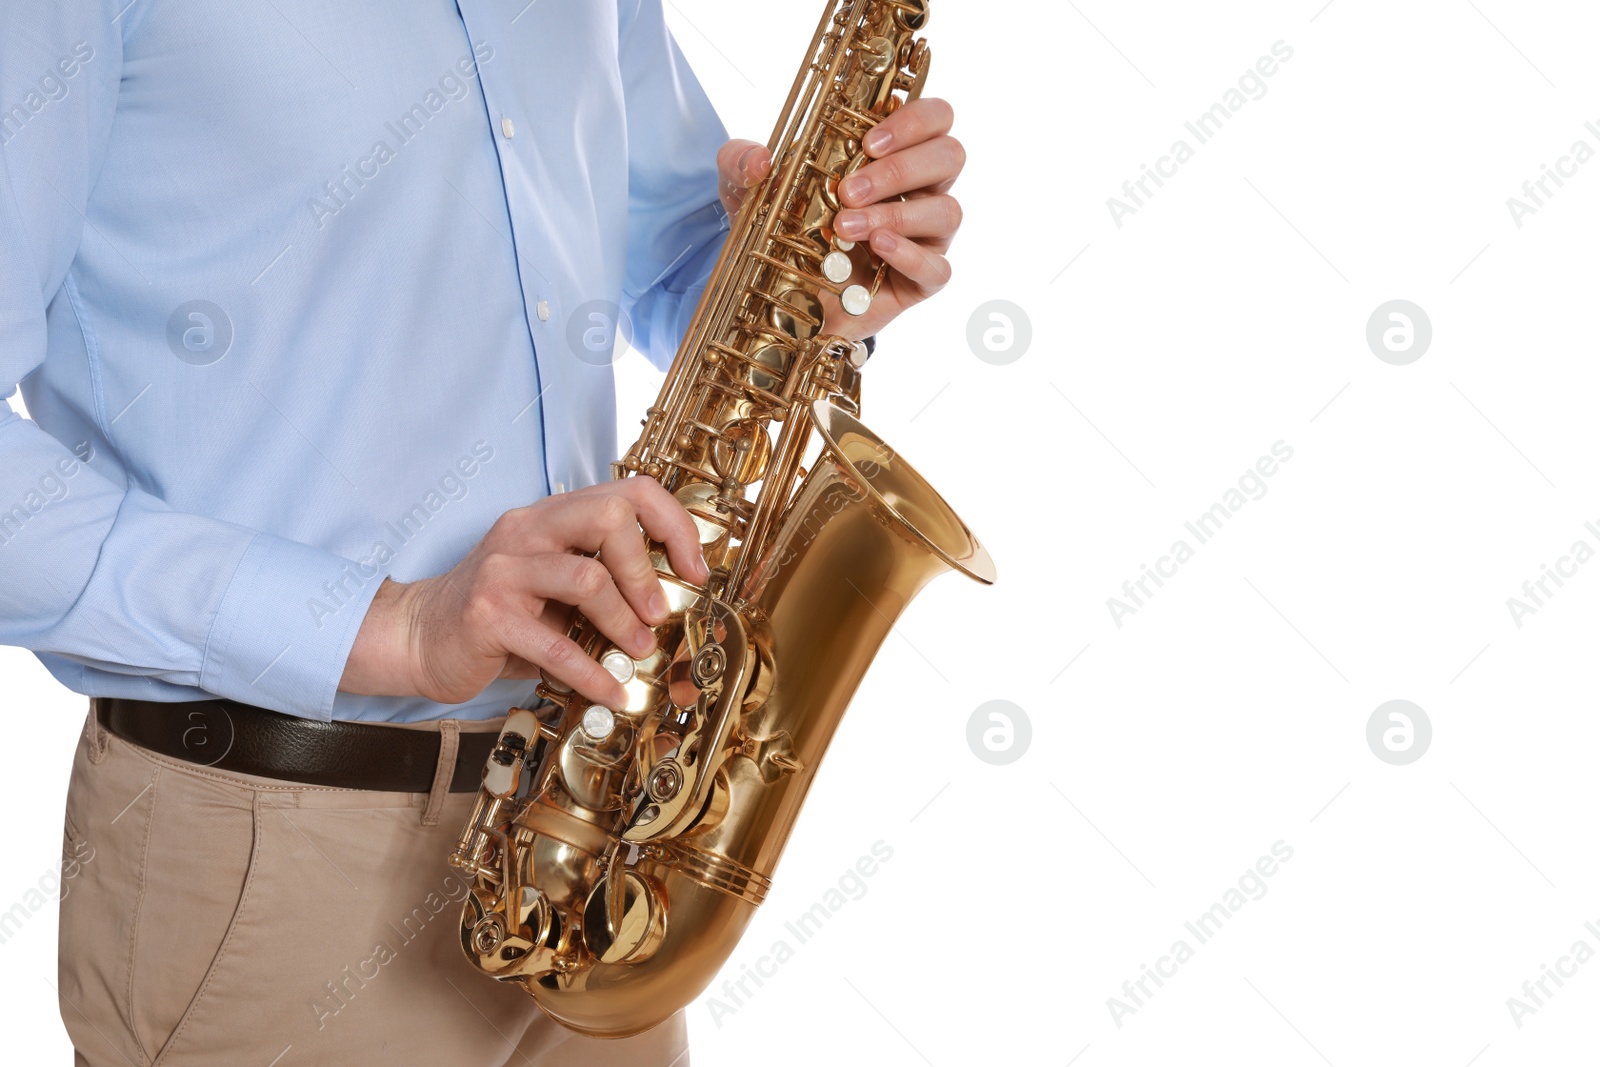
column 302, row 294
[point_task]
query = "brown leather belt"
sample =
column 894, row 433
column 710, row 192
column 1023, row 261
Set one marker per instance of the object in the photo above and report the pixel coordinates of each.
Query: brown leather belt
column 249, row 740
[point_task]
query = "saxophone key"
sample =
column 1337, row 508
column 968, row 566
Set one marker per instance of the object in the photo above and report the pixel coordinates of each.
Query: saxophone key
column 857, row 300
column 837, row 268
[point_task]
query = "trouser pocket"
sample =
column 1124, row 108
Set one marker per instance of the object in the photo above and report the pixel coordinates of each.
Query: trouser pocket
column 161, row 866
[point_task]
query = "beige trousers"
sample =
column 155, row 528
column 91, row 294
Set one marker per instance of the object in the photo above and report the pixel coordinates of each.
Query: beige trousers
column 225, row 920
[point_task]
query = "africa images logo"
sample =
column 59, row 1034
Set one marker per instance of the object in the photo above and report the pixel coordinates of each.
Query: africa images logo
column 199, row 333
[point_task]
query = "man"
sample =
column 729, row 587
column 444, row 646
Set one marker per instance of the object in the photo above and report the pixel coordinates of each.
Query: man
column 300, row 298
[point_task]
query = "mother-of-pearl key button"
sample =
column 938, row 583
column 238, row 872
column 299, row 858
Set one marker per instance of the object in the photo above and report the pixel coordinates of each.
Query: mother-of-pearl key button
column 598, row 722
column 837, row 268
column 856, row 300
column 619, row 664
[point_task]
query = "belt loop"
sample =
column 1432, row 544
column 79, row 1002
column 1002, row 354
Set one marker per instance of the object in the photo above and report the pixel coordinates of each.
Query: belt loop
column 99, row 736
column 449, row 745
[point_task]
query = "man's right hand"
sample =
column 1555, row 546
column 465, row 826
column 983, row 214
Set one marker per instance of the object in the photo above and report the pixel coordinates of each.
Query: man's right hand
column 503, row 611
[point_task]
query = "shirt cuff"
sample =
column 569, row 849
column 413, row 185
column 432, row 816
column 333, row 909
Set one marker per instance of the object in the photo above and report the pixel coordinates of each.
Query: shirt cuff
column 285, row 627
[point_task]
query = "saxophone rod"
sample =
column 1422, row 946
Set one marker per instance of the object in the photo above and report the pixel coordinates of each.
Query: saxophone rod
column 792, row 139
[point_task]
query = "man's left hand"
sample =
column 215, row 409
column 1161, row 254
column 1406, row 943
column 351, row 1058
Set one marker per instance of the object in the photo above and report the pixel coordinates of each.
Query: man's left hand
column 900, row 202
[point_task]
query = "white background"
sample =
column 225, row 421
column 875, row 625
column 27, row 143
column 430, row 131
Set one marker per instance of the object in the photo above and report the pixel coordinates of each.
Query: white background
column 1229, row 712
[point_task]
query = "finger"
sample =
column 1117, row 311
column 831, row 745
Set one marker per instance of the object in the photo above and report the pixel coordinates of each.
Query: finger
column 602, row 520
column 665, row 520
column 929, row 216
column 741, row 165
column 587, row 585
column 605, row 521
column 558, row 656
column 920, row 120
column 580, row 520
column 931, row 164
column 927, row 270
column 587, row 519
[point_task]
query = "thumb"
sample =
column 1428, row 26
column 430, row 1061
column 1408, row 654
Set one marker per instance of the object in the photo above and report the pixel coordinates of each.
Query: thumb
column 740, row 165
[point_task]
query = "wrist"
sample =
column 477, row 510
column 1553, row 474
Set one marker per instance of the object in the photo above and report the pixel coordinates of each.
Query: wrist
column 380, row 661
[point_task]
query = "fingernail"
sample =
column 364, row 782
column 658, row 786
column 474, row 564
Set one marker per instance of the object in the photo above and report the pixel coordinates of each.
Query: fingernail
column 855, row 188
column 744, row 163
column 645, row 642
column 883, row 241
column 878, row 141
column 658, row 605
column 705, row 569
column 851, row 225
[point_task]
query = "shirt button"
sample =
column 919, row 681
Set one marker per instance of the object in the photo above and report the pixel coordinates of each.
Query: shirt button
column 544, row 311
column 559, row 487
column 507, row 127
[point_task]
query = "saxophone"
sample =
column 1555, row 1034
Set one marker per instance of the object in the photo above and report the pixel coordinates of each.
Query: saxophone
column 616, row 855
